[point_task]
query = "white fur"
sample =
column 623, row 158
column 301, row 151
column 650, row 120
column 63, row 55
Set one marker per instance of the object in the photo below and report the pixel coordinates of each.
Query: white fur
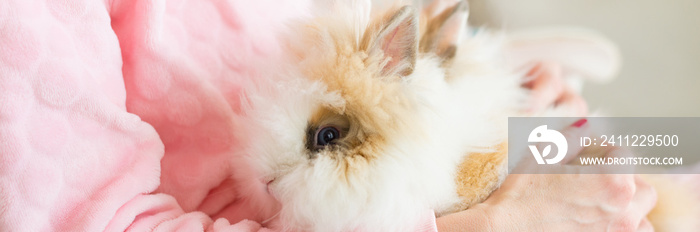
column 416, row 173
column 457, row 110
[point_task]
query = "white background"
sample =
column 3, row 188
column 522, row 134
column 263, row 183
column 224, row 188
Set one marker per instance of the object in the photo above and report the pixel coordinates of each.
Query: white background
column 659, row 41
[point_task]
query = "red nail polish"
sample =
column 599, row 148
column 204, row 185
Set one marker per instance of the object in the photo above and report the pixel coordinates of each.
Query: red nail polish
column 580, row 122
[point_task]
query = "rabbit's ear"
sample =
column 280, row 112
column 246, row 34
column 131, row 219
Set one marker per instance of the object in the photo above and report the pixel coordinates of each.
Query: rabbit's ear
column 580, row 52
column 444, row 31
column 396, row 37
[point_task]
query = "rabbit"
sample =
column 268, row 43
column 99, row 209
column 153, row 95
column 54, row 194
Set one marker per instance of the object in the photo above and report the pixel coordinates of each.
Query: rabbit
column 364, row 131
column 375, row 117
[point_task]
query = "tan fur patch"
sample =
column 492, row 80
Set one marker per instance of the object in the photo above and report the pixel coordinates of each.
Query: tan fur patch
column 430, row 34
column 478, row 175
column 376, row 106
column 430, row 29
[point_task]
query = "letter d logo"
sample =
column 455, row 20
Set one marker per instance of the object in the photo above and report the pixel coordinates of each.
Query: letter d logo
column 542, row 134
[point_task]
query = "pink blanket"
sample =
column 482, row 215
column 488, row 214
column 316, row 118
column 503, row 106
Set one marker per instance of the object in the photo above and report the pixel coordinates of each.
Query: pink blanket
column 115, row 115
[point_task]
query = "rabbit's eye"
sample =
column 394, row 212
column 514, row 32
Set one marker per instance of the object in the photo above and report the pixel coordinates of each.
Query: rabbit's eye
column 326, row 135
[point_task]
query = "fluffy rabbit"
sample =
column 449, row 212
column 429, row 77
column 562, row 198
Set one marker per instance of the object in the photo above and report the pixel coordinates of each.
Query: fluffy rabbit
column 366, row 131
column 373, row 120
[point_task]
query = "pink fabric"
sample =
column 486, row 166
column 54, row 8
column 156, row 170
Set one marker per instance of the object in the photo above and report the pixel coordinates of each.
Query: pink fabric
column 115, row 115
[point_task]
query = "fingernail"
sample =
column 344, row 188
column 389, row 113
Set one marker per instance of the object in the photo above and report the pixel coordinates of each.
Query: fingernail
column 580, row 122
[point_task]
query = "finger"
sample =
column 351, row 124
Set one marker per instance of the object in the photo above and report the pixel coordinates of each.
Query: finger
column 547, row 85
column 645, row 226
column 574, row 102
column 573, row 134
column 534, row 71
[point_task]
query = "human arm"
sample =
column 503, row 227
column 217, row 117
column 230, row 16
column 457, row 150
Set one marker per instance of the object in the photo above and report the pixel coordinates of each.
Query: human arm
column 571, row 202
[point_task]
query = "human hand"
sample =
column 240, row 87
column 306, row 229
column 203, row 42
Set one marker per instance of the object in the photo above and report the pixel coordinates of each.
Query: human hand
column 561, row 202
column 549, row 89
